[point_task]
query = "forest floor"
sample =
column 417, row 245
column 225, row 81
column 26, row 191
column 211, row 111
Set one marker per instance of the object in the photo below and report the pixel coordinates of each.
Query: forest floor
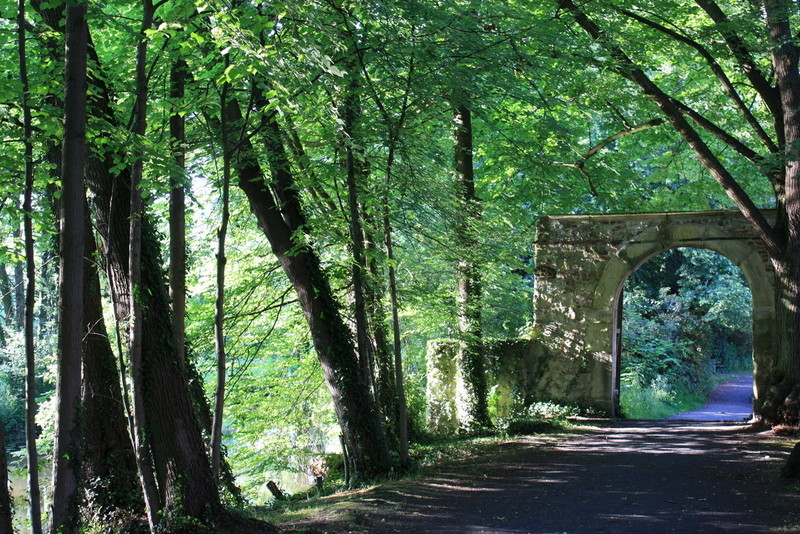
column 611, row 476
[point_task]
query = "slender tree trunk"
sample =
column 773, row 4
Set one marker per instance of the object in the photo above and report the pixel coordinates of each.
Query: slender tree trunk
column 397, row 348
column 34, row 495
column 67, row 447
column 138, row 432
column 6, row 509
column 475, row 410
column 349, row 113
column 374, row 294
column 177, row 210
column 219, row 307
column 6, row 296
column 19, row 288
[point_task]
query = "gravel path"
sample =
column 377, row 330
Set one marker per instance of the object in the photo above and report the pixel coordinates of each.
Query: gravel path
column 731, row 401
column 623, row 476
column 630, row 477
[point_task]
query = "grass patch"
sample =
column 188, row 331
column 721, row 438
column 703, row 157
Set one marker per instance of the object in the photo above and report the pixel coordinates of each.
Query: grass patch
column 661, row 399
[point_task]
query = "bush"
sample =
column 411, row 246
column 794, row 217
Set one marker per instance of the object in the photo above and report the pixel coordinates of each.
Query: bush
column 539, row 418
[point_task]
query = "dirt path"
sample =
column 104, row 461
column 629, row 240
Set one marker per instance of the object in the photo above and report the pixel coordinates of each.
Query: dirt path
column 625, row 477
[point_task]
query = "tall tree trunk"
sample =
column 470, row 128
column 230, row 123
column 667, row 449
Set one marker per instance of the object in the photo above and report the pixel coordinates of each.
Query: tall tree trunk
column 111, row 489
column 6, row 509
column 139, row 436
column 370, row 318
column 349, row 113
column 374, row 294
column 219, row 305
column 177, row 209
column 355, row 407
column 34, row 495
column 785, row 64
column 64, row 517
column 475, row 409
column 397, row 348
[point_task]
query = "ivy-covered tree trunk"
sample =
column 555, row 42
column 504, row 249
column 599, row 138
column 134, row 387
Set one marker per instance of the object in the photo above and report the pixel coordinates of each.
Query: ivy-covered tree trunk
column 369, row 317
column 473, row 407
column 386, row 376
column 111, row 492
column 349, row 112
column 397, row 349
column 138, row 420
column 178, row 450
column 787, row 76
column 355, row 407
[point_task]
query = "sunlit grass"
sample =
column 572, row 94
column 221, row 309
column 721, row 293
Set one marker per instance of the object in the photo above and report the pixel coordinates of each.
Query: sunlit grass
column 656, row 401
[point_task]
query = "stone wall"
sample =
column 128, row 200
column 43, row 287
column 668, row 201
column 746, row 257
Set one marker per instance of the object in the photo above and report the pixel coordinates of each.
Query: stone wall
column 582, row 262
column 519, row 372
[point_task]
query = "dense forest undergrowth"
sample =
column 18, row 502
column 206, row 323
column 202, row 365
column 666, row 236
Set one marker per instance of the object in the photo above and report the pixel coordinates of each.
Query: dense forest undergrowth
column 229, row 229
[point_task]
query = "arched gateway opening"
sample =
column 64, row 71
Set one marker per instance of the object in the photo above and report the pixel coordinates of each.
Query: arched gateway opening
column 686, row 325
column 582, row 263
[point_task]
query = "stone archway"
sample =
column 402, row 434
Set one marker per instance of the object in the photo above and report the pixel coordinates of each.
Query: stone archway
column 582, row 263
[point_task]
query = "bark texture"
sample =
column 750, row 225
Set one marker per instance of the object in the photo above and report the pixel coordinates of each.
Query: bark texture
column 64, row 516
column 111, row 492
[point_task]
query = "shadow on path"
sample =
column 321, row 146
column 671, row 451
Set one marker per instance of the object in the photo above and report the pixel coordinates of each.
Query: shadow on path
column 627, row 476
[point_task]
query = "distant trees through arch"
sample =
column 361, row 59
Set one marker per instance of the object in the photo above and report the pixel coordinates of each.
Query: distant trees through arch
column 686, row 319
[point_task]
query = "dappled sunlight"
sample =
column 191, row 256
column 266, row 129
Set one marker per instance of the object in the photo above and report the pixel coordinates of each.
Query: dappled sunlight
column 631, row 476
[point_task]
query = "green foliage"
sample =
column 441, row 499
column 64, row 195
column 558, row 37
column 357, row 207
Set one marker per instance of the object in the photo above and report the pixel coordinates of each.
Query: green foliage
column 686, row 313
column 540, row 418
column 12, row 407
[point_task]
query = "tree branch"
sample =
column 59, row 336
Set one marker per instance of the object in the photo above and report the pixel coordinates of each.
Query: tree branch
column 716, row 68
column 580, row 165
column 761, row 84
column 625, row 67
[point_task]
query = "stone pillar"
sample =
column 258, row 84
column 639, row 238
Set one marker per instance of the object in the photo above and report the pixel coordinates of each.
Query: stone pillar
column 442, row 364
